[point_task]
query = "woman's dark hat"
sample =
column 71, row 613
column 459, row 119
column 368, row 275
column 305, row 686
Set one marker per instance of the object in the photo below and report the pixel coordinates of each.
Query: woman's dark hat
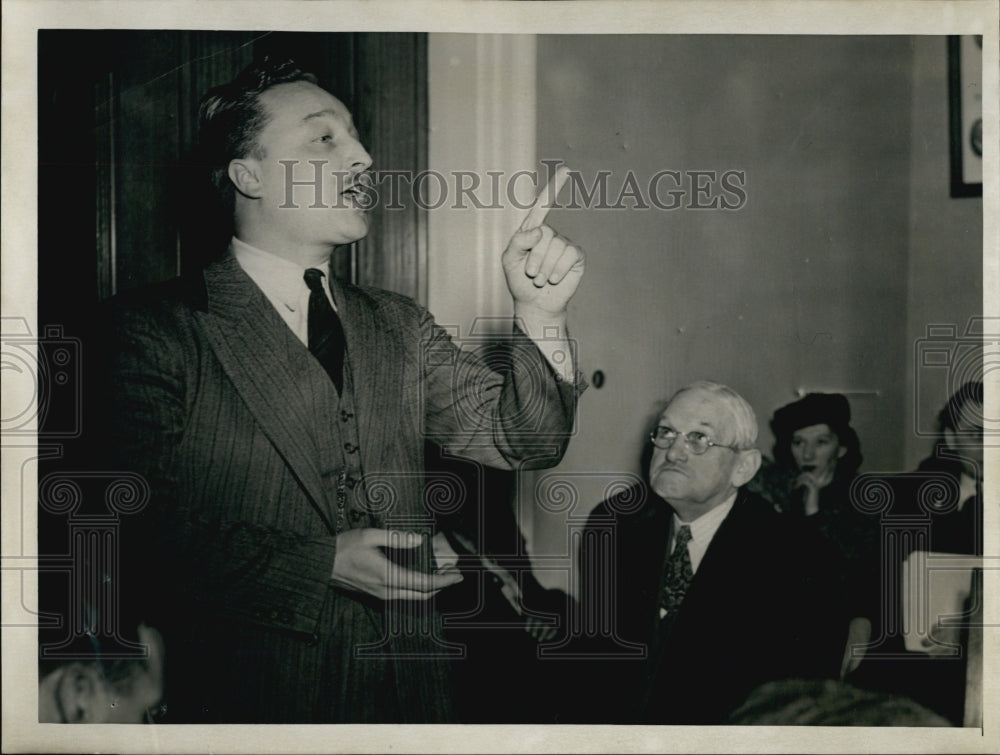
column 830, row 409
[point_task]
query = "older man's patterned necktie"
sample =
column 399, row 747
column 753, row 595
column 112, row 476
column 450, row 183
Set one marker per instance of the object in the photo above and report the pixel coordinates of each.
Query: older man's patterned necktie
column 326, row 334
column 677, row 576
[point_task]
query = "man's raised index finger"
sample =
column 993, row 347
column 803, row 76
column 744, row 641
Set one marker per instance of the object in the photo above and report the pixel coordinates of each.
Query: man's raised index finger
column 547, row 198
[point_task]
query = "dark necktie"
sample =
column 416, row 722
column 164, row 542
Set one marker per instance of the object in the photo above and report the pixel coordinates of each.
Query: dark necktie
column 326, row 334
column 677, row 576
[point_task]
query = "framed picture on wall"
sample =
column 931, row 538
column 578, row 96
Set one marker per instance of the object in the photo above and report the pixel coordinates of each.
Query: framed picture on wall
column 965, row 109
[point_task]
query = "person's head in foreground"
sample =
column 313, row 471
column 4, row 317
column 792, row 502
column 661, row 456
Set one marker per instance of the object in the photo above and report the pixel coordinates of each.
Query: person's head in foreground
column 96, row 691
column 703, row 448
column 824, row 702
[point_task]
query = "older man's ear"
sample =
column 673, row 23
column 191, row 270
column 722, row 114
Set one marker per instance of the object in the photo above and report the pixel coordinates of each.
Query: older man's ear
column 746, row 467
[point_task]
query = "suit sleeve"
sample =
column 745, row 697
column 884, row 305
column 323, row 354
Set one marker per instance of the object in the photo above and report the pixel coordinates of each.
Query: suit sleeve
column 243, row 570
column 501, row 405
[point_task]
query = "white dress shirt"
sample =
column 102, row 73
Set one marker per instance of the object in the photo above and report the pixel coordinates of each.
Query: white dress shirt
column 282, row 283
column 966, row 489
column 703, row 529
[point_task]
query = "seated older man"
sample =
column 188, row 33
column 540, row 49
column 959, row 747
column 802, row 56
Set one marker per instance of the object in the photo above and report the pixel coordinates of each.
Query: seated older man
column 721, row 592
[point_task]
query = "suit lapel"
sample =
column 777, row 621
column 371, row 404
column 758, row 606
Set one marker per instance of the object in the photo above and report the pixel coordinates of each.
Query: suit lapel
column 246, row 335
column 707, row 580
column 729, row 539
column 658, row 527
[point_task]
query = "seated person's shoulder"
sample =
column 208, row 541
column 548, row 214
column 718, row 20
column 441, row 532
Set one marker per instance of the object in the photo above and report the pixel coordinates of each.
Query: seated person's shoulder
column 773, row 483
column 900, row 493
column 626, row 501
column 755, row 508
column 778, row 536
column 632, row 508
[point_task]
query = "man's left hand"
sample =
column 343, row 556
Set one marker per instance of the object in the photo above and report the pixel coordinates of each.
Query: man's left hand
column 542, row 268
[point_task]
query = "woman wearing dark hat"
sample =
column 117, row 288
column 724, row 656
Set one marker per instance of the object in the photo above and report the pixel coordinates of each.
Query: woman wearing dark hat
column 817, row 452
column 816, row 458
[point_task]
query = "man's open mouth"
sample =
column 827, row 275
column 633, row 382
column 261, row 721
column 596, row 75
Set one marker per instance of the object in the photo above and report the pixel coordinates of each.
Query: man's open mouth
column 360, row 193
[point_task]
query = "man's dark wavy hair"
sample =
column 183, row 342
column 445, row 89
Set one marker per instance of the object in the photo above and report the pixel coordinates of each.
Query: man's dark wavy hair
column 231, row 117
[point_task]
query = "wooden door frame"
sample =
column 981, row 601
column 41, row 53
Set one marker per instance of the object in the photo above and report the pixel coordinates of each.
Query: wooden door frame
column 84, row 245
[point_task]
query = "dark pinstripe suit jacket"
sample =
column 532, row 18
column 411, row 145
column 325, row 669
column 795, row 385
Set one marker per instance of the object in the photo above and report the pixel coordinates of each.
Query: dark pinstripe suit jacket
column 255, row 464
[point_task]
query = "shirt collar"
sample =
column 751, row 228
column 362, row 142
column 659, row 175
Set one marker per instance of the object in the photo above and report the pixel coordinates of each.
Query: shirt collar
column 704, row 527
column 276, row 276
column 967, row 488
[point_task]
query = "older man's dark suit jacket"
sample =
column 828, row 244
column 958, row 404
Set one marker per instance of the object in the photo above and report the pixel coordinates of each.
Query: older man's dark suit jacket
column 760, row 607
column 255, row 464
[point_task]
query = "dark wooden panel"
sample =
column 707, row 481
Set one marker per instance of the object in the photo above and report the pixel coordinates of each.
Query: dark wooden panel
column 209, row 58
column 68, row 69
column 147, row 145
column 141, row 209
column 104, row 183
column 330, row 56
column 392, row 111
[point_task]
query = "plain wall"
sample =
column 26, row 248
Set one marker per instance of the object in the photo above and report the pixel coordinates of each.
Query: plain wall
column 848, row 247
column 481, row 109
column 819, row 283
column 945, row 256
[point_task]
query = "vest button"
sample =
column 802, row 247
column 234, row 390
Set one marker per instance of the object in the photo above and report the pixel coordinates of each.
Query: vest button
column 350, row 448
column 346, row 415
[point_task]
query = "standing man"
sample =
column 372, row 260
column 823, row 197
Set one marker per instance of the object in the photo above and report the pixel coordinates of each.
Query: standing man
column 721, row 592
column 279, row 417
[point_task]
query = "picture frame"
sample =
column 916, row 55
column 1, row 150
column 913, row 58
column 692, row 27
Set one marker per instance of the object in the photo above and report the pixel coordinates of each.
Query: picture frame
column 965, row 112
